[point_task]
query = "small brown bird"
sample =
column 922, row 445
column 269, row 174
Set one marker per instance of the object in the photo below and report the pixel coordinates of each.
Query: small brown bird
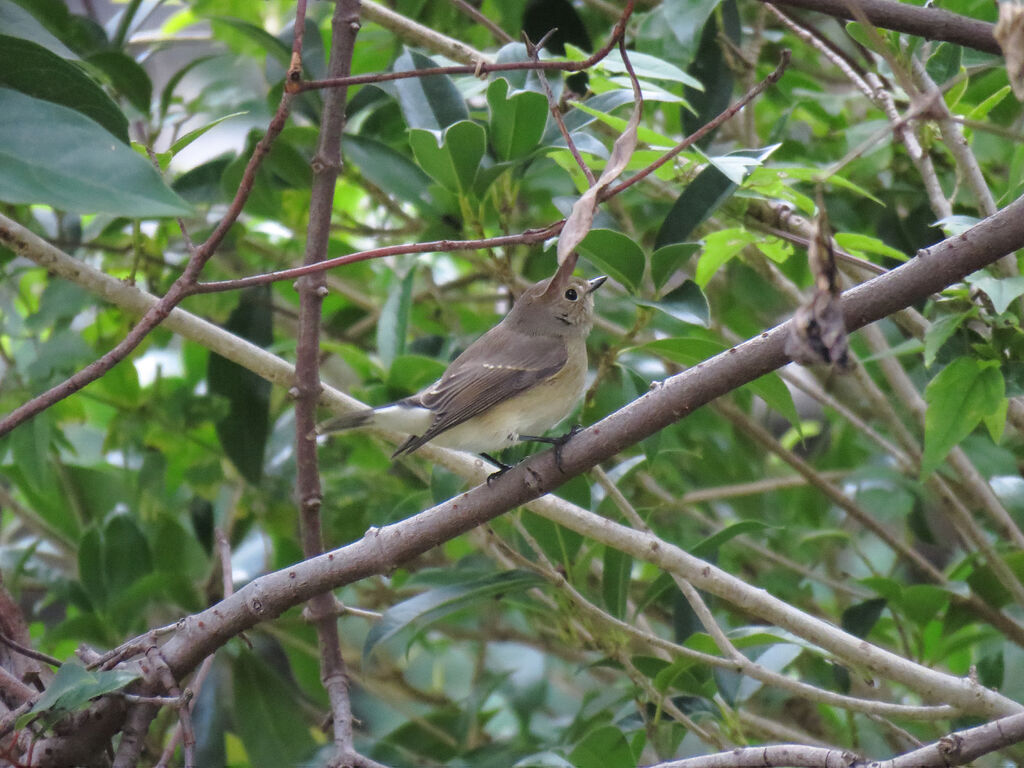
column 514, row 383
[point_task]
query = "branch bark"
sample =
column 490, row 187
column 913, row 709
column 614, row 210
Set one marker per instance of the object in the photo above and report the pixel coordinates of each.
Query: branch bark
column 312, row 289
column 929, row 23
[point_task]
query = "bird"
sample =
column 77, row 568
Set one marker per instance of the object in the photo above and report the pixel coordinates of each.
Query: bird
column 512, row 384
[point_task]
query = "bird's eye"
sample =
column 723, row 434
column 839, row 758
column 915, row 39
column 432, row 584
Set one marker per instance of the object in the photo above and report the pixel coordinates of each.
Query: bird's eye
column 571, row 294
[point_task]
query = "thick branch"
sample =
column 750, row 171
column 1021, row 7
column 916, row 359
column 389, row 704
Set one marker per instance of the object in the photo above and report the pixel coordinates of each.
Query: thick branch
column 927, row 22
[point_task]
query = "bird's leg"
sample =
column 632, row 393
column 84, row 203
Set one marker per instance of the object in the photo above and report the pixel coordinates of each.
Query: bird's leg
column 558, row 442
column 502, row 467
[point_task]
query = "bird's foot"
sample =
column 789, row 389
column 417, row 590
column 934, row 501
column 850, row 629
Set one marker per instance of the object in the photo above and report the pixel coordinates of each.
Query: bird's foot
column 502, row 467
column 558, row 442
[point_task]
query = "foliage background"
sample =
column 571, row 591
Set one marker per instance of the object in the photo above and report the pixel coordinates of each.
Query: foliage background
column 111, row 497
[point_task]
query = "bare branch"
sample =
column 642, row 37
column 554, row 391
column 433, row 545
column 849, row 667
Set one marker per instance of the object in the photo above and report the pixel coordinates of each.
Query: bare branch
column 927, row 22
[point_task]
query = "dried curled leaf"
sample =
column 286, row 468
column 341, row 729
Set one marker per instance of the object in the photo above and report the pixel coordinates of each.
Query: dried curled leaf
column 581, row 218
column 1009, row 33
column 817, row 333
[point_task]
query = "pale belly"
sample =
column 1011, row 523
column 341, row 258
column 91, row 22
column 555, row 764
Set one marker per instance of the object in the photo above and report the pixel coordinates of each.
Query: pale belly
column 531, row 413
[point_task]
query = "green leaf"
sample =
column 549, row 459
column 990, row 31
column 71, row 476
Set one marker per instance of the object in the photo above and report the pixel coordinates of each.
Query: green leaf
column 854, row 242
column 701, row 198
column 776, row 394
column 686, row 19
column 517, row 119
column 959, row 397
column 18, row 22
column 73, row 686
column 1001, row 290
column 388, row 169
column 434, row 604
column 940, row 331
column 410, row 373
column 859, row 619
column 126, row 75
column 708, row 548
column 687, row 304
column 194, row 134
column 84, row 170
column 944, row 63
column 243, row 431
column 720, row 247
column 615, row 254
column 684, row 350
column 393, row 326
column 269, row 716
column 922, row 602
column 616, row 579
column 667, row 260
column 604, row 747
column 452, row 156
column 126, row 555
column 432, row 103
column 265, row 41
column 988, row 586
column 649, row 67
column 28, row 67
column 981, row 111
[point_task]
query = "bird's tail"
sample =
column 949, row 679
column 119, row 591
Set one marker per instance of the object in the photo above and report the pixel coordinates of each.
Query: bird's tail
column 360, row 418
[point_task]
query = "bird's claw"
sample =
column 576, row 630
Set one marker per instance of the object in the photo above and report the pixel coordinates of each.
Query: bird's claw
column 502, row 468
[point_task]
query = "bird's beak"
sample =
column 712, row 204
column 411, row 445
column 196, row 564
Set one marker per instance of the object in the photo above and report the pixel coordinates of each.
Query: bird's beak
column 596, row 283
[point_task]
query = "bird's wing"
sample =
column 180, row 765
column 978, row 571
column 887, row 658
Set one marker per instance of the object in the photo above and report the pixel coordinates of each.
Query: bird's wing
column 489, row 372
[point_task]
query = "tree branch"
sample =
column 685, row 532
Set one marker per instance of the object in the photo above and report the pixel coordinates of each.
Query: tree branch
column 929, row 23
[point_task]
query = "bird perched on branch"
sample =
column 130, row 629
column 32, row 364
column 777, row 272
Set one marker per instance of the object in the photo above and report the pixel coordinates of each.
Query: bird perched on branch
column 514, row 383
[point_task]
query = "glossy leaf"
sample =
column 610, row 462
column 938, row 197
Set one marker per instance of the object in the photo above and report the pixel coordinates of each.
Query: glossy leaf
column 30, row 68
column 665, row 261
column 452, row 157
column 392, row 171
column 616, row 255
column 85, row 169
column 430, row 103
column 701, row 198
column 687, row 304
column 517, row 119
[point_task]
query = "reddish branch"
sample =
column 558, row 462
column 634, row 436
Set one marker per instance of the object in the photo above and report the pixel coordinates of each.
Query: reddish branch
column 924, row 21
